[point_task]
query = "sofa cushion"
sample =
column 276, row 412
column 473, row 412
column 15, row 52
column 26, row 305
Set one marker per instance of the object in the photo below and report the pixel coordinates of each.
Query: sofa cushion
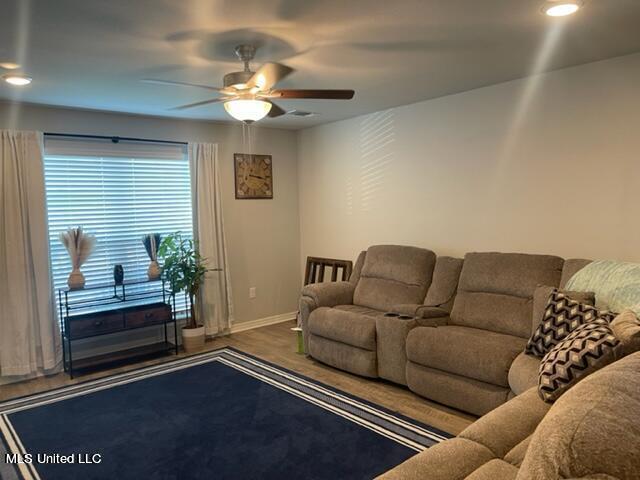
column 369, row 312
column 495, row 290
column 592, row 429
column 459, row 392
column 345, row 327
column 453, row 459
column 626, row 328
column 493, row 470
column 392, row 275
column 469, row 352
column 516, row 454
column 345, row 357
column 494, row 312
column 516, row 274
column 444, row 284
column 523, row 373
column 562, row 316
column 588, row 348
column 541, row 299
column 505, row 427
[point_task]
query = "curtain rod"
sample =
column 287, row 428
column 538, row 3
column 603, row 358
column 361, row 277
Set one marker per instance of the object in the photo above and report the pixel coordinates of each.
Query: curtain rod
column 114, row 139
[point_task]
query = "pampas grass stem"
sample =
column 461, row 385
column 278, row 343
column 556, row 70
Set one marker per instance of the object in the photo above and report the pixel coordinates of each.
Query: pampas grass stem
column 79, row 245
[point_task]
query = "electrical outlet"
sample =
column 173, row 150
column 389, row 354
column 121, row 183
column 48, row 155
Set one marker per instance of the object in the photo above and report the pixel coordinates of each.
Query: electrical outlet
column 252, row 292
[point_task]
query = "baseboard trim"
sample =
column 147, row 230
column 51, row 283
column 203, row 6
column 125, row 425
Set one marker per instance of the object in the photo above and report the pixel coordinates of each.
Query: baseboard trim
column 263, row 322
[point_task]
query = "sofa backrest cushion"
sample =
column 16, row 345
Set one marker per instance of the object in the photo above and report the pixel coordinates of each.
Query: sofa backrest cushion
column 357, row 268
column 495, row 291
column 571, row 267
column 592, row 430
column 392, row 275
column 444, row 284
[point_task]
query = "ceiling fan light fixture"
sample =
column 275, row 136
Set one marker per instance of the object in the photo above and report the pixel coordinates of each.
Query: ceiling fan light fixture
column 561, row 8
column 247, row 110
column 16, row 79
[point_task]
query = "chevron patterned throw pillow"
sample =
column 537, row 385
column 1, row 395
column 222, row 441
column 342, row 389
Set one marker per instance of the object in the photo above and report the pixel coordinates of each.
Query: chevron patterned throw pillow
column 588, row 348
column 561, row 317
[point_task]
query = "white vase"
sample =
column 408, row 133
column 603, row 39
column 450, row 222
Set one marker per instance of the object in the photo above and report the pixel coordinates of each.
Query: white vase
column 193, row 339
column 76, row 279
column 153, row 272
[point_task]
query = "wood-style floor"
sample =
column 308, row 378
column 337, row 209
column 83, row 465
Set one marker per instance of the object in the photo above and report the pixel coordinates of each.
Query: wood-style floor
column 277, row 344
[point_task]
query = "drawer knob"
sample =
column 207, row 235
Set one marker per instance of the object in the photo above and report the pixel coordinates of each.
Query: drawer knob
column 97, row 323
column 147, row 316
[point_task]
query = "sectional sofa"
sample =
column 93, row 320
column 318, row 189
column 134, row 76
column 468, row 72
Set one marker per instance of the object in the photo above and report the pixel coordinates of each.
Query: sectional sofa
column 591, row 432
column 454, row 331
column 482, row 306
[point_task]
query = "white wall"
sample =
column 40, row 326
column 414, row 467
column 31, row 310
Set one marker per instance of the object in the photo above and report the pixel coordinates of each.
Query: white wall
column 262, row 235
column 549, row 164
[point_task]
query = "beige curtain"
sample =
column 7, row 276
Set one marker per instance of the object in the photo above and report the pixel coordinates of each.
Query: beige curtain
column 215, row 303
column 29, row 334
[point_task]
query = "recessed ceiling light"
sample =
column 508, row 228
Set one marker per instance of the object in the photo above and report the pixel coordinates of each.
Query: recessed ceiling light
column 561, row 8
column 19, row 80
column 9, row 65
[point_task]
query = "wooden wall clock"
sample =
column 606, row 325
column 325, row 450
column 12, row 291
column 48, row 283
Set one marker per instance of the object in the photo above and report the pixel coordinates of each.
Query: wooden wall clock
column 254, row 176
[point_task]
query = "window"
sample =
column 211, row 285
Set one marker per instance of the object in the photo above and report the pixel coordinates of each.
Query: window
column 117, row 192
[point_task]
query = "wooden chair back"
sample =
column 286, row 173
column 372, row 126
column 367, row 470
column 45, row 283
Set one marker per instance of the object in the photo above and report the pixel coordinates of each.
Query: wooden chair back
column 317, row 268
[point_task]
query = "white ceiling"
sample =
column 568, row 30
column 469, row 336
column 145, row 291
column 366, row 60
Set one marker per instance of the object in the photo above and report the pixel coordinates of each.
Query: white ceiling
column 92, row 53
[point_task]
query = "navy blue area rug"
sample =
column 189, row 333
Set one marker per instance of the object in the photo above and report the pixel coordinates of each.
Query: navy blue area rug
column 218, row 415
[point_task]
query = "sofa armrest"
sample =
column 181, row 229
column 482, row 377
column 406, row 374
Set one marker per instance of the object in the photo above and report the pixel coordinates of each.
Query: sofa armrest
column 406, row 309
column 425, row 315
column 419, row 310
column 329, row 294
column 433, row 321
column 318, row 295
column 431, row 312
column 454, row 459
column 523, row 373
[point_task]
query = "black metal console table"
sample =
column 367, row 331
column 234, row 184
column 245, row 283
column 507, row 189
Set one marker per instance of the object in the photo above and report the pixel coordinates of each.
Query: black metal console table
column 129, row 306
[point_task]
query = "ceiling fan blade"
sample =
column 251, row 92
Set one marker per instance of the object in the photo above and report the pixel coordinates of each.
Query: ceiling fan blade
column 275, row 111
column 320, row 94
column 268, row 75
column 205, row 102
column 179, row 84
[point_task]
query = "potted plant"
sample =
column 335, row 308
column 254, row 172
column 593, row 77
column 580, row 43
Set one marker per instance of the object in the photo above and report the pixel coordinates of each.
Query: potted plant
column 184, row 269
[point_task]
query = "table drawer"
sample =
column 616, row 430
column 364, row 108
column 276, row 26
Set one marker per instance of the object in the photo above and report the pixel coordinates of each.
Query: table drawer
column 95, row 324
column 150, row 315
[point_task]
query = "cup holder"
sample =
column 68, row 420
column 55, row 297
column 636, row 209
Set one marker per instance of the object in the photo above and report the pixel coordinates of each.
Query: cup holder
column 391, row 314
column 405, row 317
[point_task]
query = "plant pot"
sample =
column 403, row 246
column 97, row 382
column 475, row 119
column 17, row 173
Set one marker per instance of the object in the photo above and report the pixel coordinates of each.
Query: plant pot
column 76, row 279
column 153, row 272
column 193, row 339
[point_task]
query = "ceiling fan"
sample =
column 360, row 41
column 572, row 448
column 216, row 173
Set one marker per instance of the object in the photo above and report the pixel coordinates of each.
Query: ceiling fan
column 247, row 95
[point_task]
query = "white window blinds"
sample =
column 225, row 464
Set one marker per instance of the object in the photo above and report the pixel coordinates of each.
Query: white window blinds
column 117, row 192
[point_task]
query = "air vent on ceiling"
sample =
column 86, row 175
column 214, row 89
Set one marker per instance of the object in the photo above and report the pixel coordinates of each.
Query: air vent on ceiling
column 301, row 113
